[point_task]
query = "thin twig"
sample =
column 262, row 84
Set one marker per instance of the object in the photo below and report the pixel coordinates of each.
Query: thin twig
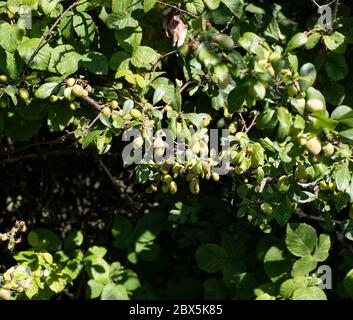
column 253, row 122
column 31, row 156
column 44, row 40
column 92, row 103
column 94, row 121
column 335, row 11
column 301, row 214
column 108, row 173
column 161, row 57
column 228, row 24
column 177, row 8
column 243, row 122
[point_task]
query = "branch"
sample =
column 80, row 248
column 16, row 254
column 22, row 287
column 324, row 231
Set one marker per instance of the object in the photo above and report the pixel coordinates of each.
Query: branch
column 161, row 57
column 177, row 8
column 31, row 156
column 253, row 122
column 301, row 214
column 92, row 103
column 335, row 11
column 44, row 40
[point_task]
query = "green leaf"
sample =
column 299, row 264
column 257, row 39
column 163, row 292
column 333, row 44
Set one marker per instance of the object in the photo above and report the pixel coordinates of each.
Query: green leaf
column 127, row 278
column 10, row 64
column 158, row 95
column 84, row 27
column 96, row 252
column 235, row 6
column 336, row 68
column 321, row 252
column 347, row 135
column 98, row 270
column 342, row 176
column 20, row 129
column 289, row 286
column 212, row 4
column 236, row 99
column 307, row 76
column 313, row 40
column 149, row 226
column 59, row 117
column 120, row 6
column 210, row 257
column 44, row 239
column 114, row 292
column 311, row 293
column 90, row 137
column 96, row 63
column 122, row 230
column 335, row 42
column 344, row 115
column 129, row 34
column 195, row 7
column 301, row 196
column 48, row 6
column 348, row 283
column 64, row 60
column 41, row 59
column 277, row 264
column 148, row 5
column 73, row 240
column 300, row 239
column 297, row 41
column 304, row 266
column 119, row 61
column 45, row 90
column 334, row 93
column 94, row 289
column 11, row 36
column 144, row 57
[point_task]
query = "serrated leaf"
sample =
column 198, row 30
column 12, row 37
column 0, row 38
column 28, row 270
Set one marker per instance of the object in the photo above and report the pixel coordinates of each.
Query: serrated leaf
column 212, row 4
column 301, row 239
column 64, row 60
column 11, row 36
column 144, row 57
column 41, row 59
column 235, row 6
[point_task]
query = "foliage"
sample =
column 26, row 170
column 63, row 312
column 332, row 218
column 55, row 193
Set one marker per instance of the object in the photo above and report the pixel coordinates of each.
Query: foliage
column 280, row 84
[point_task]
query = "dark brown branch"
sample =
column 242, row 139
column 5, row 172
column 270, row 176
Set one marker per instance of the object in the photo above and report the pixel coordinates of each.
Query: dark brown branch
column 44, row 40
column 92, row 103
